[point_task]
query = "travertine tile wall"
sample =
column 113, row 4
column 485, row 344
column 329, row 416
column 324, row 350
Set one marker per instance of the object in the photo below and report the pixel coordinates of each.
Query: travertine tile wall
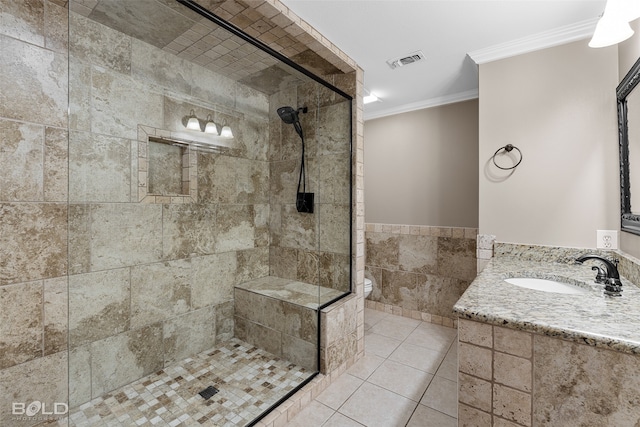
column 342, row 340
column 311, row 248
column 419, row 270
column 283, row 328
column 33, row 205
column 36, row 216
column 514, row 378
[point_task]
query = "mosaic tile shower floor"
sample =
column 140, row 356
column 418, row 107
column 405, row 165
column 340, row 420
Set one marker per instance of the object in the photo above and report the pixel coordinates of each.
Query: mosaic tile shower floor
column 249, row 381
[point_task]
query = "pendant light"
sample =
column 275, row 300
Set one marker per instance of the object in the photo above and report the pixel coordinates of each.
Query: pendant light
column 613, row 27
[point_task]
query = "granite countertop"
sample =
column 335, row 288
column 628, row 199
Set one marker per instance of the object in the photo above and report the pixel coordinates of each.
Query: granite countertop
column 592, row 318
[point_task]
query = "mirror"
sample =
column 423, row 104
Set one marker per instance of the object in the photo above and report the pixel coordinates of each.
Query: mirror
column 629, row 137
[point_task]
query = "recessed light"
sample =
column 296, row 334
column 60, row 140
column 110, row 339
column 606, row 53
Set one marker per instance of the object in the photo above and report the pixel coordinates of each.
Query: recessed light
column 368, row 99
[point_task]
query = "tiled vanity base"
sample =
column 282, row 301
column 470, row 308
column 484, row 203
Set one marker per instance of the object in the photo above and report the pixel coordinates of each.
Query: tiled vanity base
column 249, row 380
column 281, row 316
column 513, row 378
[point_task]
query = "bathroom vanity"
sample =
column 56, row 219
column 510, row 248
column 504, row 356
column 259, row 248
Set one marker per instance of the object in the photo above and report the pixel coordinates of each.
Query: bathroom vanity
column 537, row 358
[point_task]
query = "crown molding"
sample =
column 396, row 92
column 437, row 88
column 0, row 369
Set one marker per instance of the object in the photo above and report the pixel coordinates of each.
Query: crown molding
column 558, row 36
column 428, row 103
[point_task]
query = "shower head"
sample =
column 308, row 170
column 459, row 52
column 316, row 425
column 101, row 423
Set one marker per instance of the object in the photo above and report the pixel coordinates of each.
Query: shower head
column 290, row 116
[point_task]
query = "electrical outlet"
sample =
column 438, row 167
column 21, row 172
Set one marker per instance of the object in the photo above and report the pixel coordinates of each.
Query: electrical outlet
column 607, row 239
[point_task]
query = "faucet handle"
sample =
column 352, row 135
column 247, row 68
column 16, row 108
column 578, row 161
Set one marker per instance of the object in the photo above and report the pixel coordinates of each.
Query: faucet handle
column 613, row 287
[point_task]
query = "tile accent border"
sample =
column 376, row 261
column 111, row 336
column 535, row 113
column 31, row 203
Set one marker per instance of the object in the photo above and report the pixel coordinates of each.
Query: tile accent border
column 411, row 314
column 422, row 230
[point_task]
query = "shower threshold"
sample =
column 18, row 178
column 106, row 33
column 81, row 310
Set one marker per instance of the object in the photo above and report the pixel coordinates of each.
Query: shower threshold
column 249, row 380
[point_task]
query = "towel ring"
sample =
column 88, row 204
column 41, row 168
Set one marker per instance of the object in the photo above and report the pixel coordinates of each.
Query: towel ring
column 508, row 148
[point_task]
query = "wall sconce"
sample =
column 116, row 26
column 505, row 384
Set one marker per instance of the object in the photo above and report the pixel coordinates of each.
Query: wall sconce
column 226, row 132
column 613, row 26
column 210, row 127
column 192, row 122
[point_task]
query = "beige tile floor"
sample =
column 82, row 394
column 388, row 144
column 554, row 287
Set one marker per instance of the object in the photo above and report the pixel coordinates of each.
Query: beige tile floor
column 408, row 377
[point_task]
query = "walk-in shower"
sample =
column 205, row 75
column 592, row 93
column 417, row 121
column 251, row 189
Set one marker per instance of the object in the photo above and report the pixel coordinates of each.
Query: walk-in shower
column 173, row 266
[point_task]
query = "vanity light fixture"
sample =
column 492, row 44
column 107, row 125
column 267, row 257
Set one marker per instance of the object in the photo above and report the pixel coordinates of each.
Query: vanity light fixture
column 193, row 123
column 613, row 26
column 210, row 126
column 226, row 132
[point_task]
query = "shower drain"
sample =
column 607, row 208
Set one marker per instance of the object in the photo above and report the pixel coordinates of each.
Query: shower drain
column 208, row 392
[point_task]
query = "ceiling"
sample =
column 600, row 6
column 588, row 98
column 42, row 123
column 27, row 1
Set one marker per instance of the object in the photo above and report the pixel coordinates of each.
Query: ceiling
column 449, row 33
column 178, row 30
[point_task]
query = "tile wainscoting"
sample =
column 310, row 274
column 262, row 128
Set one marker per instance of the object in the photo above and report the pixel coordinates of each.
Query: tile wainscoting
column 419, row 271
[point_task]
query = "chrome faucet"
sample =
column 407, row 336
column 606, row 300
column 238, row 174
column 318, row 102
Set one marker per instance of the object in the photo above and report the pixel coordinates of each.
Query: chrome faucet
column 609, row 276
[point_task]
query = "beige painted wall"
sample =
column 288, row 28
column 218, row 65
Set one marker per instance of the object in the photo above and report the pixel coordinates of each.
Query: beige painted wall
column 421, row 167
column 628, row 53
column 558, row 106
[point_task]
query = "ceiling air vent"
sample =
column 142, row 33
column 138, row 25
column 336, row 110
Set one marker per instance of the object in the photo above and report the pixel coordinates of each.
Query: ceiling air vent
column 406, row 60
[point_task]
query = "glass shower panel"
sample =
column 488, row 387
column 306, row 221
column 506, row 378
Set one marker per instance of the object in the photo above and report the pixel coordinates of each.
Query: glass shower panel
column 194, row 282
column 333, row 136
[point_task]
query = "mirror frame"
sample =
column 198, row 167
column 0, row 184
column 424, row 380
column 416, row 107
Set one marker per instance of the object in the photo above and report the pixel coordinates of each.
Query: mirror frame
column 629, row 222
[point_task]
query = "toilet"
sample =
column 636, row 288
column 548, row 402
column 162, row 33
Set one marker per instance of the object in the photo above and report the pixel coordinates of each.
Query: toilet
column 368, row 287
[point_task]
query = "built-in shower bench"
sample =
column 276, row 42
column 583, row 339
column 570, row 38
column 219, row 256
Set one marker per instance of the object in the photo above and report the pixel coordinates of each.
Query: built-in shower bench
column 300, row 293
column 280, row 316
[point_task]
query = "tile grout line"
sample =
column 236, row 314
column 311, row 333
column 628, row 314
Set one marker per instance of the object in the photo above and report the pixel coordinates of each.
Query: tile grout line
column 449, row 347
column 426, row 388
column 386, row 358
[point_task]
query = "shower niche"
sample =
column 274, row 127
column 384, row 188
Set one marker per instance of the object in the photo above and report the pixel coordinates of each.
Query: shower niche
column 167, row 171
column 193, row 262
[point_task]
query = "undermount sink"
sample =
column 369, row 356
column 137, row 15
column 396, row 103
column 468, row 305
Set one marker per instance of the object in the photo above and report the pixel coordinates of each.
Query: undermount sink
column 546, row 285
